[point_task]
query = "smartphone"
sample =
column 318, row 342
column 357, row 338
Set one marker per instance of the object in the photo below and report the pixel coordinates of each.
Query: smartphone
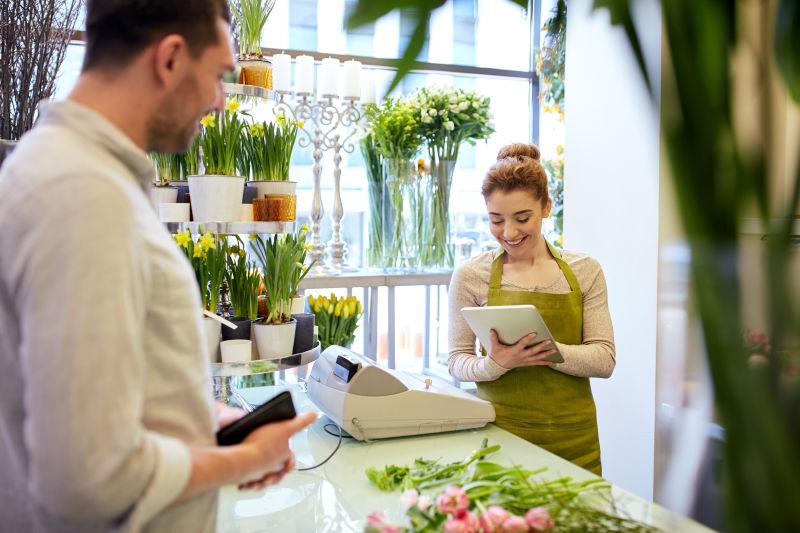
column 280, row 407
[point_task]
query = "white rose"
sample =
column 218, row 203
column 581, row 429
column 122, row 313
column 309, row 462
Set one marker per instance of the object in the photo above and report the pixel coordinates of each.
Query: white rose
column 448, row 125
column 463, row 105
column 423, row 502
column 433, row 112
column 427, row 120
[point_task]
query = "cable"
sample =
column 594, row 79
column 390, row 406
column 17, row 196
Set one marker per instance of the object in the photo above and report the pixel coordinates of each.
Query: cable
column 325, row 427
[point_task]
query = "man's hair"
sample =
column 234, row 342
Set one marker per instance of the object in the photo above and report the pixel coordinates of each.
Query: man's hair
column 118, row 30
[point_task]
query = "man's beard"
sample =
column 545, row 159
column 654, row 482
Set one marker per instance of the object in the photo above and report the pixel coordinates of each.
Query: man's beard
column 168, row 130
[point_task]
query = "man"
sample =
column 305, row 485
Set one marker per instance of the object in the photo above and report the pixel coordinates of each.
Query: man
column 106, row 422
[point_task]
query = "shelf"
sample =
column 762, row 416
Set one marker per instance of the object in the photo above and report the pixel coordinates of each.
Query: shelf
column 248, row 90
column 232, row 228
column 376, row 278
column 265, row 366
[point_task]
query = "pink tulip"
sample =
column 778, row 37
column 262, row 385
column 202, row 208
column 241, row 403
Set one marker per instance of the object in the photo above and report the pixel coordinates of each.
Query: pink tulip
column 423, row 502
column 409, row 499
column 539, row 519
column 377, row 522
column 513, row 524
column 492, row 519
column 467, row 522
column 452, row 501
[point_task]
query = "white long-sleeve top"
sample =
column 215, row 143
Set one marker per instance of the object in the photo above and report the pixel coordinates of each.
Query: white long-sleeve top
column 469, row 287
column 104, row 380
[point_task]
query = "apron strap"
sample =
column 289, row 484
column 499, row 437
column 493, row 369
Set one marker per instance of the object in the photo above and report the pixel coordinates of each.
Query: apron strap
column 568, row 273
column 496, row 275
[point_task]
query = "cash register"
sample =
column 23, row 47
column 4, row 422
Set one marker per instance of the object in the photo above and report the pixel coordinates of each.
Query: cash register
column 369, row 401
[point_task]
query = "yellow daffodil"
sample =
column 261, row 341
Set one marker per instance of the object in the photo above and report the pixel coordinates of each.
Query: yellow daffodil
column 252, row 236
column 198, row 251
column 232, row 105
column 256, row 130
column 300, row 123
column 280, row 120
column 304, row 229
column 183, row 238
column 207, row 241
column 308, row 247
column 208, row 121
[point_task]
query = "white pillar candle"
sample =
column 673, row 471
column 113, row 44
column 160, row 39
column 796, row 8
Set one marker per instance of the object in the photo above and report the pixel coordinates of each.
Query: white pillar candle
column 368, row 88
column 328, row 81
column 304, row 74
column 282, row 72
column 352, row 79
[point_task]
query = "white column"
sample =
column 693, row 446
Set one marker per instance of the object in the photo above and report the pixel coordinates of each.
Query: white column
column 612, row 214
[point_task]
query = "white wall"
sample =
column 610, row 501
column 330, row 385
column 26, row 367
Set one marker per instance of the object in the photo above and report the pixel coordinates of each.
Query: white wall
column 612, row 214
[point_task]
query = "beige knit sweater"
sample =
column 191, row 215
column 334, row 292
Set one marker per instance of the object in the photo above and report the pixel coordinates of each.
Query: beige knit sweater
column 469, row 287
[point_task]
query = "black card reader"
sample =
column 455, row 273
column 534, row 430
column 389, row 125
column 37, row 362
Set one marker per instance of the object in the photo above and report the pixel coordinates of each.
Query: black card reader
column 346, row 368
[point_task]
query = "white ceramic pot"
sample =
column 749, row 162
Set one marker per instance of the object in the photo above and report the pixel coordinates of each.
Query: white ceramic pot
column 236, row 350
column 264, row 188
column 163, row 195
column 216, row 198
column 212, row 330
column 173, row 212
column 274, row 340
column 298, row 305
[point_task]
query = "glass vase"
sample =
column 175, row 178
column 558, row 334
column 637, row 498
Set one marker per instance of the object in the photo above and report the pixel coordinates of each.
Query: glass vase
column 402, row 216
column 379, row 207
column 436, row 249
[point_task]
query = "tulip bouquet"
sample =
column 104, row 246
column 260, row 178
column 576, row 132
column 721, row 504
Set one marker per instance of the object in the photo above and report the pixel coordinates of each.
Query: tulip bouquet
column 482, row 496
column 336, row 318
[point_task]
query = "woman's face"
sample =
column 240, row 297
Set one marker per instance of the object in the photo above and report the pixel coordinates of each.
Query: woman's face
column 515, row 219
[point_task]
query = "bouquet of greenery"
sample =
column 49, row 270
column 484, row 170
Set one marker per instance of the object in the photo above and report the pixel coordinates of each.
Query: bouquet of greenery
column 250, row 17
column 485, row 496
column 168, row 168
column 336, row 318
column 221, row 140
column 447, row 117
column 207, row 255
column 282, row 259
column 267, row 149
column 244, row 280
column 396, row 137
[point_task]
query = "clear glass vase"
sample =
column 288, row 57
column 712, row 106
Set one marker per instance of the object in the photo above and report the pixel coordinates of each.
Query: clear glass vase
column 402, row 220
column 436, row 249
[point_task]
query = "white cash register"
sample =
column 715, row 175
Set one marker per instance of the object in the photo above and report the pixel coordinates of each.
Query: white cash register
column 371, row 402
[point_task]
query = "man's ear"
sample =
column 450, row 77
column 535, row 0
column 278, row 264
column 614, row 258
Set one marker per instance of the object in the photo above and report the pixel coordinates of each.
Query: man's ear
column 170, row 59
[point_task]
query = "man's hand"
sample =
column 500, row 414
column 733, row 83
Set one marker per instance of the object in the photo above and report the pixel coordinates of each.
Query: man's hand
column 267, row 454
column 227, row 415
column 522, row 353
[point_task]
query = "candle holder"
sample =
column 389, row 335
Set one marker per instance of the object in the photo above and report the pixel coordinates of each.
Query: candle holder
column 322, row 124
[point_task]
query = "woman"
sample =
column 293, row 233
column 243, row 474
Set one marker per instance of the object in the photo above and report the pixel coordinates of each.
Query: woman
column 548, row 404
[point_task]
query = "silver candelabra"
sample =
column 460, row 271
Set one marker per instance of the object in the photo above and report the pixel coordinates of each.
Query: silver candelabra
column 327, row 120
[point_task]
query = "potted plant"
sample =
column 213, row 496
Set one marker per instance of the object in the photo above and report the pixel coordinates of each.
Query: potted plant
column 337, row 319
column 33, row 44
column 244, row 280
column 267, row 153
column 250, row 17
column 216, row 196
column 207, row 257
column 168, row 168
column 282, row 259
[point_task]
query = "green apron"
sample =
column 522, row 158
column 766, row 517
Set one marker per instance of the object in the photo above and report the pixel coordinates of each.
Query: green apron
column 544, row 406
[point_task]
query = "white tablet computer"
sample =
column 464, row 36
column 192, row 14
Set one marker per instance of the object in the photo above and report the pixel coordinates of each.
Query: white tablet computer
column 511, row 322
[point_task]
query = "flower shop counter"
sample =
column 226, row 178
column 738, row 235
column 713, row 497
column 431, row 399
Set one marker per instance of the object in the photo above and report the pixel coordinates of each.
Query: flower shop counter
column 338, row 497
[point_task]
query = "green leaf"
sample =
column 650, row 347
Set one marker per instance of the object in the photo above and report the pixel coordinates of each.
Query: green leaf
column 367, row 11
column 787, row 45
column 409, row 58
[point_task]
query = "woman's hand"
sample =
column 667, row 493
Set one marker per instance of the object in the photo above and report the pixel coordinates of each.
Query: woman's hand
column 522, row 353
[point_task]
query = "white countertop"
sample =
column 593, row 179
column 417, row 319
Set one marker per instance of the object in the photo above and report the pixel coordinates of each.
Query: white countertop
column 337, row 497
